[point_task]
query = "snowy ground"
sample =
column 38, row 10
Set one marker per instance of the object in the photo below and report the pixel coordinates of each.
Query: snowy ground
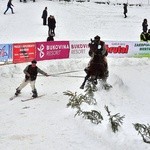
column 75, row 21
column 46, row 123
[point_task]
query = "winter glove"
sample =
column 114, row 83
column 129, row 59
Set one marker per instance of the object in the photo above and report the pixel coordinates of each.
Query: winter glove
column 28, row 74
column 46, row 75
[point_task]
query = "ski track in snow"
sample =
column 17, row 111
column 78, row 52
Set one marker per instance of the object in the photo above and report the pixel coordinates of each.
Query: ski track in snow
column 42, row 118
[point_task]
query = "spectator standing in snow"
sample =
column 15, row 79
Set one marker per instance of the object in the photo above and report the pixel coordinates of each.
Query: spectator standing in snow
column 144, row 36
column 30, row 72
column 9, row 4
column 145, row 25
column 51, row 24
column 125, row 10
column 44, row 16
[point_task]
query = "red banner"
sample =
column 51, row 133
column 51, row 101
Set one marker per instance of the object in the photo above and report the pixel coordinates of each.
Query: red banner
column 23, row 52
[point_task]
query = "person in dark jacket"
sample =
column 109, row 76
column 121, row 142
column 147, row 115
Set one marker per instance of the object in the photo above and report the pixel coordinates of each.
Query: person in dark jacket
column 125, row 10
column 30, row 72
column 51, row 24
column 44, row 16
column 9, row 4
column 145, row 25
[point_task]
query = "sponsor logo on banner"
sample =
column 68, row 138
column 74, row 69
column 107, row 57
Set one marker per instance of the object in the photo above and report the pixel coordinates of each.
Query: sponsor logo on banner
column 118, row 49
column 5, row 52
column 52, row 50
column 141, row 49
column 23, row 52
column 79, row 49
column 41, row 51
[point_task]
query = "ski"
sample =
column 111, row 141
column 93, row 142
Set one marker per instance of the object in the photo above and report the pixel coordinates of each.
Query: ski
column 32, row 98
column 12, row 98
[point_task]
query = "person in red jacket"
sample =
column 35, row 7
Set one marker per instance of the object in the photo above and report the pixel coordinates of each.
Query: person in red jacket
column 30, row 72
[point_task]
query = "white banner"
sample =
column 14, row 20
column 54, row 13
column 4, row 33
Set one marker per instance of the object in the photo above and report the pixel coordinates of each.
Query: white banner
column 119, row 49
column 141, row 49
column 79, row 49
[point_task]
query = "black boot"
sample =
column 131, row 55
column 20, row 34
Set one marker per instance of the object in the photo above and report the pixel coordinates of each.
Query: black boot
column 34, row 94
column 86, row 70
column 17, row 92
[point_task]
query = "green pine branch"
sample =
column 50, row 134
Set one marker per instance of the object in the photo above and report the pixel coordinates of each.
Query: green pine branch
column 144, row 131
column 93, row 115
column 76, row 100
column 115, row 120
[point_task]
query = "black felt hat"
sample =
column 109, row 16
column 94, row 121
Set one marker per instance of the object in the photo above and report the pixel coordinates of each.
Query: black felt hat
column 34, row 61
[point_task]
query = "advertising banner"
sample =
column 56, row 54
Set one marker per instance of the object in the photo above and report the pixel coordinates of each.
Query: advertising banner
column 141, row 49
column 5, row 52
column 52, row 50
column 23, row 52
column 119, row 49
column 79, row 49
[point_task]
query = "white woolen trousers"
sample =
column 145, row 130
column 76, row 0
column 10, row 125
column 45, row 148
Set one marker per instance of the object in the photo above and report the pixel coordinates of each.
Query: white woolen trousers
column 25, row 82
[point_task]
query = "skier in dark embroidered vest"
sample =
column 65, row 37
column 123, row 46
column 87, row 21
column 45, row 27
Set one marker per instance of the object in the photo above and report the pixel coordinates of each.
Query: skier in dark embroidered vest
column 31, row 72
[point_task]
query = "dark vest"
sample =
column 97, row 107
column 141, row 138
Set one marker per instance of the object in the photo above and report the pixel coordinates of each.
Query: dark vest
column 33, row 73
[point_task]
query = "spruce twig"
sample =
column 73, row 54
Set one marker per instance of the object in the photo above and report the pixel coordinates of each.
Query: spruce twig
column 144, row 131
column 94, row 116
column 76, row 100
column 115, row 120
column 89, row 92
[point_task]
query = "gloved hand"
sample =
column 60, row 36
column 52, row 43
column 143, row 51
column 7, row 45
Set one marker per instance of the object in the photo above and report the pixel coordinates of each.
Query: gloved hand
column 28, row 74
column 47, row 75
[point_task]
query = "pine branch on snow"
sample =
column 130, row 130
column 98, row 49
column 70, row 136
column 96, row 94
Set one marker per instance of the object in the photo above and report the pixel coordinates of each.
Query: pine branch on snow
column 89, row 92
column 93, row 115
column 144, row 131
column 115, row 120
column 76, row 100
